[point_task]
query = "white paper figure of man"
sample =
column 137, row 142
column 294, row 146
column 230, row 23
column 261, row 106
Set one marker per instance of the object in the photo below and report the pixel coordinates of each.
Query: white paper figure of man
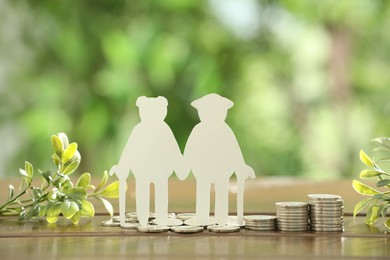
column 213, row 154
column 151, row 154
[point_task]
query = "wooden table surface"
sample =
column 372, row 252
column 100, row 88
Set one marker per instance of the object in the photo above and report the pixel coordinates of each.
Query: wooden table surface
column 90, row 240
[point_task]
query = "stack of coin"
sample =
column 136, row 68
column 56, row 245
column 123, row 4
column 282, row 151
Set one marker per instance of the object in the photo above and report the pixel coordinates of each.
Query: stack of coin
column 260, row 222
column 292, row 216
column 326, row 212
column 223, row 228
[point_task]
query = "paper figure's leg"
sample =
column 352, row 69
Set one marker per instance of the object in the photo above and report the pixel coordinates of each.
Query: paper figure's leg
column 122, row 200
column 161, row 201
column 222, row 202
column 202, row 201
column 240, row 201
column 142, row 200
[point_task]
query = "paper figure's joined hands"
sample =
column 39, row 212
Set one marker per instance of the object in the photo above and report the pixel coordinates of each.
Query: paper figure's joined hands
column 212, row 153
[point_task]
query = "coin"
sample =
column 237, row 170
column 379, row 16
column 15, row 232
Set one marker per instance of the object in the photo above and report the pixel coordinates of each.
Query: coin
column 130, row 226
column 133, row 215
column 153, row 229
column 325, row 197
column 338, row 229
column 185, row 216
column 170, row 222
column 259, row 218
column 260, row 228
column 293, row 229
column 187, row 229
column 291, row 204
column 110, row 223
column 195, row 222
column 223, row 229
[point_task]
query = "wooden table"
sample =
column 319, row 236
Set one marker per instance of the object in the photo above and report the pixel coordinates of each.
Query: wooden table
column 90, row 240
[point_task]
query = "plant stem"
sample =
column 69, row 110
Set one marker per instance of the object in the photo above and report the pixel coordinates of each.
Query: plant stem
column 14, row 199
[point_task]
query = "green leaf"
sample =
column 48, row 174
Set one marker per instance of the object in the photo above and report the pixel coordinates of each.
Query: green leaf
column 71, row 167
column 57, row 145
column 43, row 210
column 64, row 140
column 366, row 159
column 373, row 214
column 24, row 173
column 77, row 193
column 361, row 205
column 383, row 182
column 22, row 215
column 103, row 181
column 111, row 191
column 69, row 208
column 56, row 159
column 11, row 191
column 69, row 152
column 107, row 205
column 363, row 188
column 365, row 174
column 29, row 169
column 76, row 218
column 384, row 210
column 387, row 223
column 52, row 213
column 87, row 209
column 84, row 180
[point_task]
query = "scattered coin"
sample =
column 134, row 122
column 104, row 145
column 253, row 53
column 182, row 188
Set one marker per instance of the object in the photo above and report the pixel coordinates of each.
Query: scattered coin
column 195, row 222
column 153, row 229
column 223, row 229
column 187, row 229
column 110, row 223
column 170, row 222
column 130, row 226
column 185, row 216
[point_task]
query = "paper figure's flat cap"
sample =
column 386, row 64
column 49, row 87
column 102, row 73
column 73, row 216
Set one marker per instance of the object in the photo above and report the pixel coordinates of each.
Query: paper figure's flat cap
column 212, row 101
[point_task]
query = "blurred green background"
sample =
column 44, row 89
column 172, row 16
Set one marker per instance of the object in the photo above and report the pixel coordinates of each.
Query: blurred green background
column 310, row 79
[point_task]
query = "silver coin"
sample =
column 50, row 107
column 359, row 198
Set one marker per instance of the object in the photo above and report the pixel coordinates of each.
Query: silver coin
column 323, row 197
column 187, row 229
column 291, row 204
column 153, row 229
column 282, row 222
column 259, row 218
column 293, row 229
column 261, row 228
column 133, row 215
column 223, row 229
column 185, row 216
column 130, row 220
column 170, row 222
column 325, row 211
column 293, row 226
column 323, row 225
column 233, row 221
column 325, row 202
column 292, row 218
column 130, row 226
column 195, row 222
column 326, row 220
column 257, row 224
column 339, row 229
column 326, row 206
column 110, row 223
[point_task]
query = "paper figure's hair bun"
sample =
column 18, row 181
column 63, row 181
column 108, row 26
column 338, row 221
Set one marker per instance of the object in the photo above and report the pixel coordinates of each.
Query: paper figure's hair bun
column 144, row 100
column 212, row 101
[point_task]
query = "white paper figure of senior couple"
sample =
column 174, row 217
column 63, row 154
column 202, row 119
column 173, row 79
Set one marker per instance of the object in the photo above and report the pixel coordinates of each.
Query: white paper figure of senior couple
column 212, row 154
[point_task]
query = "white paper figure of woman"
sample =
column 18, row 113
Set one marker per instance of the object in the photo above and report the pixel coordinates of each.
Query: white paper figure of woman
column 151, row 154
column 213, row 154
